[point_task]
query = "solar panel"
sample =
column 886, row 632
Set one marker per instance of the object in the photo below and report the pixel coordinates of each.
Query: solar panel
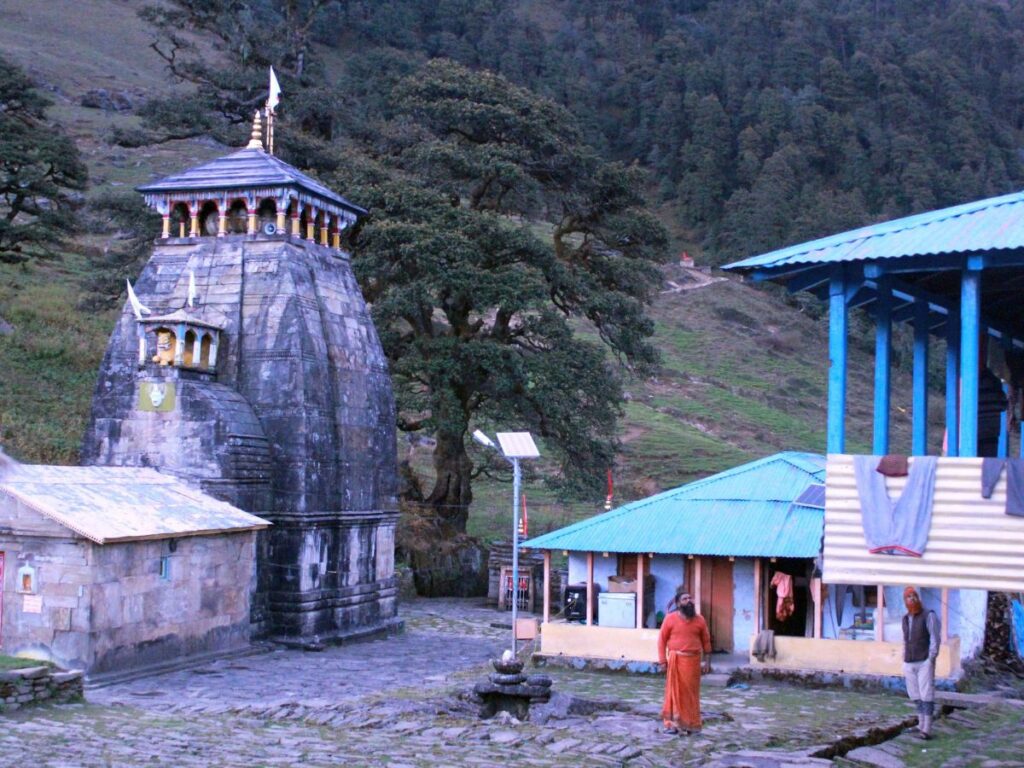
column 813, row 496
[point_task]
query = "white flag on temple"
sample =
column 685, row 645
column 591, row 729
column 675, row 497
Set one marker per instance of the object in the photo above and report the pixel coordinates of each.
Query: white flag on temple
column 275, row 92
column 138, row 307
column 191, row 288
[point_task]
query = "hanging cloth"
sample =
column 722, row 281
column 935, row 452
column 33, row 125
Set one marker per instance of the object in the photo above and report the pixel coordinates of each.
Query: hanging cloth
column 783, row 584
column 991, row 469
column 897, row 527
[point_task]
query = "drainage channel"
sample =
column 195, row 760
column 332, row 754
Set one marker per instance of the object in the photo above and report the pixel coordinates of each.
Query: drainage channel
column 873, row 736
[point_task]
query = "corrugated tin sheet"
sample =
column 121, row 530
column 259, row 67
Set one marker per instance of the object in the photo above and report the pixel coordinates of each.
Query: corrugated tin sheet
column 993, row 224
column 111, row 504
column 972, row 542
column 246, row 168
column 747, row 511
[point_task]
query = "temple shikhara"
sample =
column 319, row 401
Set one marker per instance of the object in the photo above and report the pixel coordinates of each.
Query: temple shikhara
column 246, row 365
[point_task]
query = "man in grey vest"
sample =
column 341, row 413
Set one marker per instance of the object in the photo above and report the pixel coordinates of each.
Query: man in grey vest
column 921, row 636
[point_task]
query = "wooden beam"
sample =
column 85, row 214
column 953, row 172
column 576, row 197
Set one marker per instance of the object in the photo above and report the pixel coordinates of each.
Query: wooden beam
column 953, row 387
column 640, row 591
column 837, row 322
column 757, row 595
column 919, row 407
column 547, row 585
column 880, row 614
column 945, row 614
column 817, row 603
column 970, row 327
column 698, row 567
column 590, row 588
column 883, row 355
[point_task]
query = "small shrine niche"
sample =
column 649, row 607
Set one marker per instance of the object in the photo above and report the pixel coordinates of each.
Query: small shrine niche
column 179, row 340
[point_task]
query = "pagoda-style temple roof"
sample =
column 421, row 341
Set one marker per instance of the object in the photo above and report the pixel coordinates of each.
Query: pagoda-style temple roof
column 246, row 169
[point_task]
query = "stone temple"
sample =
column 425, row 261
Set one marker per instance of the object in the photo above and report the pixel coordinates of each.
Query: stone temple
column 246, row 363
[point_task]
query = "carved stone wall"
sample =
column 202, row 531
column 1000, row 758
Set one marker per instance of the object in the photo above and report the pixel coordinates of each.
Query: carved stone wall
column 299, row 349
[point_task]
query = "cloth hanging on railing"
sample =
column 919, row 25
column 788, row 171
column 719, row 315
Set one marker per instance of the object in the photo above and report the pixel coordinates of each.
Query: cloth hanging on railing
column 991, row 469
column 896, row 527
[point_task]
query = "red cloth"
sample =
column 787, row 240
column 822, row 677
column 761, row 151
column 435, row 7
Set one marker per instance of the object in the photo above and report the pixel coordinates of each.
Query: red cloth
column 680, row 644
column 783, row 584
column 682, row 692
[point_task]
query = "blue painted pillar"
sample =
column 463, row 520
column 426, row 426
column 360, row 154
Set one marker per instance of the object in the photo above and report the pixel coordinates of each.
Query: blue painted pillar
column 1004, row 437
column 920, row 400
column 953, row 385
column 883, row 345
column 970, row 326
column 836, row 438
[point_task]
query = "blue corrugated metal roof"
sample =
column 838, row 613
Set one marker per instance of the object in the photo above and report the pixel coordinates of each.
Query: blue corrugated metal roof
column 747, row 511
column 246, row 168
column 996, row 223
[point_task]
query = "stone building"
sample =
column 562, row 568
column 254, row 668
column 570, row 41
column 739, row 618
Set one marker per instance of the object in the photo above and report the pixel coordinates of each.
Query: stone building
column 110, row 570
column 249, row 366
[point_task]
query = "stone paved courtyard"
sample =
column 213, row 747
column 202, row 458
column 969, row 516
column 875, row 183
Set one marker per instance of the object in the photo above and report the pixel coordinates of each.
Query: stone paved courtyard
column 394, row 702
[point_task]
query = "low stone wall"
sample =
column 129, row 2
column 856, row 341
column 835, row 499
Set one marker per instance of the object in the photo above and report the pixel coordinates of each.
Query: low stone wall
column 30, row 685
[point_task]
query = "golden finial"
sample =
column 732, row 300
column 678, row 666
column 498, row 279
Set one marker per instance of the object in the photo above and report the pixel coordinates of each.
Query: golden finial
column 256, row 140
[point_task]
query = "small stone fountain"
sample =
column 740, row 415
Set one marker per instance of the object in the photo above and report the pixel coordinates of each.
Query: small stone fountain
column 509, row 690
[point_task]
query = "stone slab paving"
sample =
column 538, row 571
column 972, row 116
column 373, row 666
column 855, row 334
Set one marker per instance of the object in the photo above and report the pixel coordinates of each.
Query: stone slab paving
column 400, row 702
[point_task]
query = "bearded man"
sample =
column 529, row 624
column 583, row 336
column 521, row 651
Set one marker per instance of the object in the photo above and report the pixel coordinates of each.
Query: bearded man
column 684, row 645
column 920, row 649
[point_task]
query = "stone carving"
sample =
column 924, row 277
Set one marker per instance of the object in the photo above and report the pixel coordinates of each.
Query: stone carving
column 164, row 347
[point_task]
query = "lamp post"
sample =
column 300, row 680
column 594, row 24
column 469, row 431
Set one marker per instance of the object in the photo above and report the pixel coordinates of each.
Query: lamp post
column 514, row 446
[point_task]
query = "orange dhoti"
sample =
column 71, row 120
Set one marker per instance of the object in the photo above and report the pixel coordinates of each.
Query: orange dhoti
column 682, row 691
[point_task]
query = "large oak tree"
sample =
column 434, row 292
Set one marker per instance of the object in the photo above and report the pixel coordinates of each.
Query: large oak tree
column 502, row 262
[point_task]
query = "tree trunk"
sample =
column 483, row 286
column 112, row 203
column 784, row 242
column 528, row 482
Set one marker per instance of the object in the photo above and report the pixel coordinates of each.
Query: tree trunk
column 451, row 494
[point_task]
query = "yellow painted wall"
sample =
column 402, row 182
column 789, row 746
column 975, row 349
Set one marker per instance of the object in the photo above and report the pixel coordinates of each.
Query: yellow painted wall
column 596, row 642
column 859, row 657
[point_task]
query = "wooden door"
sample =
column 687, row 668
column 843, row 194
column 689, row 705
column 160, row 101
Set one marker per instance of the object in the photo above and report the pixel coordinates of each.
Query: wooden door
column 716, row 605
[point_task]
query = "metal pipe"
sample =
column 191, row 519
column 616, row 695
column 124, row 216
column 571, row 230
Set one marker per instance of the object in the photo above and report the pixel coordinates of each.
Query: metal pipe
column 515, row 551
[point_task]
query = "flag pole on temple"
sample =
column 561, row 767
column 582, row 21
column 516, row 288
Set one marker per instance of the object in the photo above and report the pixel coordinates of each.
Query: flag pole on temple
column 273, row 98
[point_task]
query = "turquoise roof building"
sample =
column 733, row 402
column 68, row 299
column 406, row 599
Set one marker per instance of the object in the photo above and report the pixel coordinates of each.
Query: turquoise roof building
column 753, row 510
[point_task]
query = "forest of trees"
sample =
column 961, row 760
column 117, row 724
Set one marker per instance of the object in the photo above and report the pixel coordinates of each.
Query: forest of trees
column 764, row 122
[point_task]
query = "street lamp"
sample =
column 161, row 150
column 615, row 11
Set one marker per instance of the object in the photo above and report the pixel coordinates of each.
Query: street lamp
column 514, row 446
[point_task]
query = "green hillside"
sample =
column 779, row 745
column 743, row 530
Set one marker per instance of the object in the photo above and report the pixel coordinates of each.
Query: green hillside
column 743, row 369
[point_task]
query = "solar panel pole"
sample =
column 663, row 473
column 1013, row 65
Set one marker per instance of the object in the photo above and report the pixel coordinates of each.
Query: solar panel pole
column 516, row 479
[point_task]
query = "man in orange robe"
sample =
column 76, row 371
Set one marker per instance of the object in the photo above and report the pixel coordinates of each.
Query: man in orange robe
column 683, row 639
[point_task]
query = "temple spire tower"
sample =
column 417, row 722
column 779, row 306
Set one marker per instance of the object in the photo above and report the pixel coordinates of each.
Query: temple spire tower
column 258, row 375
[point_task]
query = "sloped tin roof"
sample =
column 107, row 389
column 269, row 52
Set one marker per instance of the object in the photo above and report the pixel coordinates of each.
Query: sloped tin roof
column 993, row 224
column 243, row 169
column 115, row 504
column 747, row 511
